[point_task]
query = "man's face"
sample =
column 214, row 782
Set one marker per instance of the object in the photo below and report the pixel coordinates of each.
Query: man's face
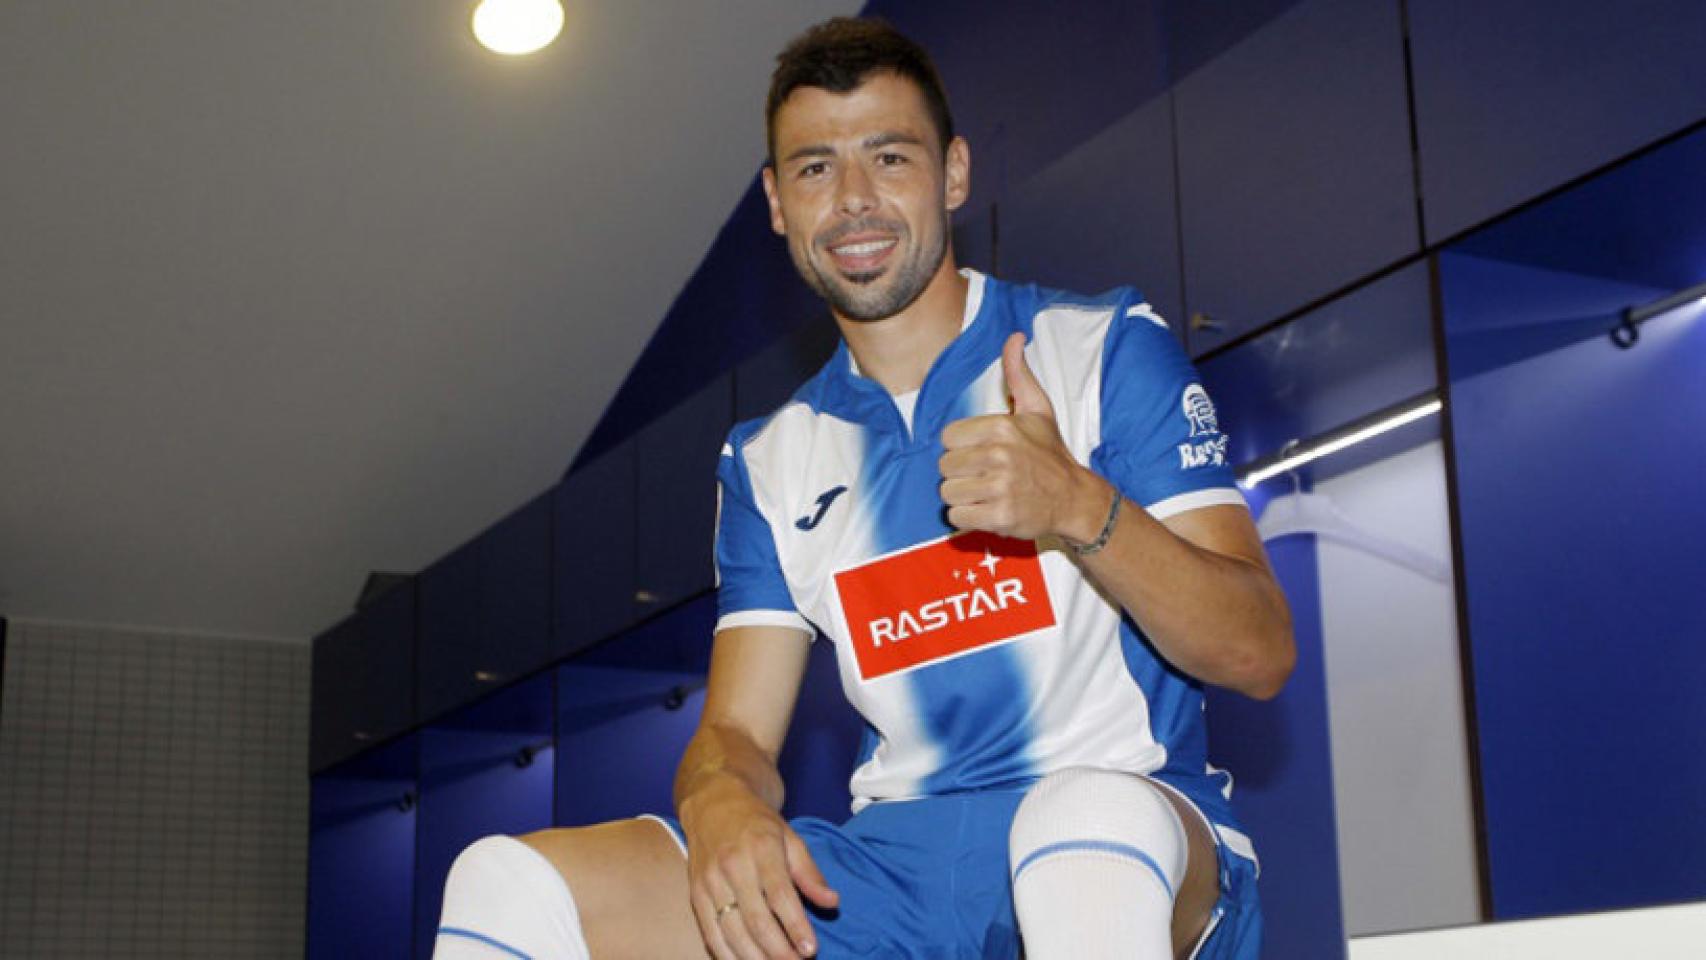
column 862, row 192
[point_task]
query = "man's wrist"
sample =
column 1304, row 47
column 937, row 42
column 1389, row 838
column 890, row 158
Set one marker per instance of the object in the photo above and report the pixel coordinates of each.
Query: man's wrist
column 1088, row 509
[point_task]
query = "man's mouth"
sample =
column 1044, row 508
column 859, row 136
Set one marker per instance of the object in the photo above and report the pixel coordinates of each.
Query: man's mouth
column 861, row 255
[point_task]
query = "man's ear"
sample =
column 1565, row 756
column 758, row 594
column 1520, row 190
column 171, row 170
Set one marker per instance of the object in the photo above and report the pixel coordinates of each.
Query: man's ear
column 776, row 224
column 957, row 166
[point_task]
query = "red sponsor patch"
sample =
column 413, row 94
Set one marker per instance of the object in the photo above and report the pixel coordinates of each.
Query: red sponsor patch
column 942, row 599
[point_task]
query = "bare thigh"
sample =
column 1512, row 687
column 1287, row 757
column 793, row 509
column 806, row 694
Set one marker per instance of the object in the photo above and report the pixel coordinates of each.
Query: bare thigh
column 1201, row 887
column 629, row 881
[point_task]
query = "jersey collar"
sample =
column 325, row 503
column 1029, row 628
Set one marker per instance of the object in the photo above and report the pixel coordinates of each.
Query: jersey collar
column 853, row 396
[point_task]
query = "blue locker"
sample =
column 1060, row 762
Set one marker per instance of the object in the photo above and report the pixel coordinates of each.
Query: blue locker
column 593, row 552
column 677, row 495
column 361, row 855
column 486, row 768
column 1104, row 215
column 1295, row 168
column 1363, row 352
column 1514, row 98
column 363, row 682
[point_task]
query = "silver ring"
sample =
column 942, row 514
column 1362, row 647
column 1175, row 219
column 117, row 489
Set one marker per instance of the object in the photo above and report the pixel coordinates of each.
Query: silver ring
column 725, row 908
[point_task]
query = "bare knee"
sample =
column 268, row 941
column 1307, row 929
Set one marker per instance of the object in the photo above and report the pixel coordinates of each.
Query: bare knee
column 629, row 881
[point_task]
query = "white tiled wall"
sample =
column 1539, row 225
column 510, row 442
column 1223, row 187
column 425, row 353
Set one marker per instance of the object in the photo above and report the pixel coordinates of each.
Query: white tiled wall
column 153, row 795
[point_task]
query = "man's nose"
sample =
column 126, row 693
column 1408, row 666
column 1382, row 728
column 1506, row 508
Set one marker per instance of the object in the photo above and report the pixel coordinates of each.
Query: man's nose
column 856, row 196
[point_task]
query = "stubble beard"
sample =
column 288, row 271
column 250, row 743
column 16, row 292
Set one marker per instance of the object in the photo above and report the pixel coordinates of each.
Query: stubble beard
column 861, row 296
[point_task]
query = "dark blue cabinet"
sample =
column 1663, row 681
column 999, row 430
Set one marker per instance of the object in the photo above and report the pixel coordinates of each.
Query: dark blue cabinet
column 1514, row 98
column 677, row 495
column 361, row 855
column 1102, row 216
column 1295, row 167
column 485, row 611
column 593, row 551
column 1358, row 354
column 364, row 678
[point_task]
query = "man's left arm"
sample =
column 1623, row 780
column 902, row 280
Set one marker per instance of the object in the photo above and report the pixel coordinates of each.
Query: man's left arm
column 1198, row 583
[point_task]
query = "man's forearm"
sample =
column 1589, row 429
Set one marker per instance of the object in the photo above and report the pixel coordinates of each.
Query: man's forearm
column 1218, row 617
column 723, row 754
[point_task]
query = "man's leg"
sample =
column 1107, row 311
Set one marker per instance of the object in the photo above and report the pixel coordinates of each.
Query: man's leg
column 1110, row 865
column 613, row 891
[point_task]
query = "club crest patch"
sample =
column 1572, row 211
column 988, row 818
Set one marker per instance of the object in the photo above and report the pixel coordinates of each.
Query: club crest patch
column 1199, row 410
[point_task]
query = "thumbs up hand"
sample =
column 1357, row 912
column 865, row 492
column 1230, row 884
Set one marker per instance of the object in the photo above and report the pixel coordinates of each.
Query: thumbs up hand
column 1012, row 474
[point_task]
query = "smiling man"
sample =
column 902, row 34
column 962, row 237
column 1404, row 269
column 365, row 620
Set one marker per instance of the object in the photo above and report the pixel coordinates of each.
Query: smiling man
column 1009, row 510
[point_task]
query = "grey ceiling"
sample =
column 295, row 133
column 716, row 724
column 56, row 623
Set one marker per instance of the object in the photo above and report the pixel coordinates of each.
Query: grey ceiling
column 292, row 291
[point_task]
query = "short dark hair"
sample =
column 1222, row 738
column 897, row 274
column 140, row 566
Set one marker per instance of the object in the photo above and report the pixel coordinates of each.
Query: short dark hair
column 840, row 54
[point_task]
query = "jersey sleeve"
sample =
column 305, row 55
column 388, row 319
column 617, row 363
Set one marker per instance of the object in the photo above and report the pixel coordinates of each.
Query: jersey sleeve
column 750, row 588
column 1161, row 442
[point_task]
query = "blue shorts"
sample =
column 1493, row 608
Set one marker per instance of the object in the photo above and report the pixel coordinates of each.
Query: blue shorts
column 928, row 878
column 1235, row 927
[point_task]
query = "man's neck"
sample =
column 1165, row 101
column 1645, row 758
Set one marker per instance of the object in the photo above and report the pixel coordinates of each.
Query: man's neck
column 897, row 351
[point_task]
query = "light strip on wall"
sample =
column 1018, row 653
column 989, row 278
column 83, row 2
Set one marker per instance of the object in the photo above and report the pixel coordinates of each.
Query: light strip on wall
column 1332, row 443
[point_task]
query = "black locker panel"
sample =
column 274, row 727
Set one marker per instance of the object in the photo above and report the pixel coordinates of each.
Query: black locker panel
column 677, row 495
column 1514, row 98
column 1295, row 167
column 364, row 678
column 1102, row 216
column 593, row 552
column 767, row 379
column 485, row 611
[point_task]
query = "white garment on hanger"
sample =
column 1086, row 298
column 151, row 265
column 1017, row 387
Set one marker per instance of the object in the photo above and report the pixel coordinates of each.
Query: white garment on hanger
column 1299, row 513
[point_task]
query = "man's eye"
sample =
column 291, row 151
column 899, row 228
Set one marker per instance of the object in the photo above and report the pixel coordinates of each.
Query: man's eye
column 890, row 159
column 813, row 169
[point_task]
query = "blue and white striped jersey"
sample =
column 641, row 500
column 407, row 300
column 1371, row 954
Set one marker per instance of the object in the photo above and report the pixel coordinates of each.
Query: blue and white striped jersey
column 978, row 662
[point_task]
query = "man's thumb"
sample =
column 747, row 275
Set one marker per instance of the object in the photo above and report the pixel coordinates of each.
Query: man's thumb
column 1028, row 395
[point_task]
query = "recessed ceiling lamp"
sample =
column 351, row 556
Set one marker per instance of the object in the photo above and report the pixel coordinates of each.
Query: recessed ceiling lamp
column 516, row 27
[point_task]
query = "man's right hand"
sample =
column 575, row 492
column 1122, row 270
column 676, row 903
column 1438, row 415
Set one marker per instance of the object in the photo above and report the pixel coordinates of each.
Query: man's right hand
column 746, row 869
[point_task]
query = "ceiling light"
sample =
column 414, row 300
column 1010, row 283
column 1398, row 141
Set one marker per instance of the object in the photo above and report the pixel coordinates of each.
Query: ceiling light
column 515, row 27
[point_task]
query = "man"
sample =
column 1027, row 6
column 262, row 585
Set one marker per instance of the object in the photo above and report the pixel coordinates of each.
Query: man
column 964, row 500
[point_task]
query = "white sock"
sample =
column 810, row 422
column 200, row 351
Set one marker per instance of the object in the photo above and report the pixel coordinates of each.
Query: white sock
column 503, row 899
column 1097, row 858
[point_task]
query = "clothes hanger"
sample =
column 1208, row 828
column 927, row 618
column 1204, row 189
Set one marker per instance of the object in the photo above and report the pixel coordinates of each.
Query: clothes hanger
column 1299, row 513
